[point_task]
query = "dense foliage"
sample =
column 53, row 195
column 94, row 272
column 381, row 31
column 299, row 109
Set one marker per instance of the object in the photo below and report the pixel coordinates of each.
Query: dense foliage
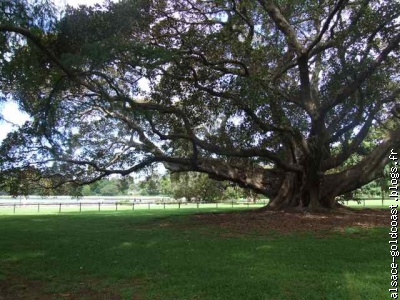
column 280, row 97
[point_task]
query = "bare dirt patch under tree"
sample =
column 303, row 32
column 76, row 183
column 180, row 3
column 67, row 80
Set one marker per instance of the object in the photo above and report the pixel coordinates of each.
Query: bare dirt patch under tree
column 288, row 222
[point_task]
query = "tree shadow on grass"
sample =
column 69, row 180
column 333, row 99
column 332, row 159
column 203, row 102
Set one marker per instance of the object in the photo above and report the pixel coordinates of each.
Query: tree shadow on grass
column 188, row 257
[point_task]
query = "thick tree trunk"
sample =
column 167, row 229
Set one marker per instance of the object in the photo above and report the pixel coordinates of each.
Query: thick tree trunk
column 303, row 192
column 309, row 189
column 313, row 190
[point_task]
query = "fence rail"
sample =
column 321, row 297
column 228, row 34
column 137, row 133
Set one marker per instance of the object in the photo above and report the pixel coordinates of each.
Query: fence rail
column 99, row 206
column 39, row 207
column 365, row 201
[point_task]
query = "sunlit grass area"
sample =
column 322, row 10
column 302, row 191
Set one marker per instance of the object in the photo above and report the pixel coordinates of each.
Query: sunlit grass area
column 161, row 254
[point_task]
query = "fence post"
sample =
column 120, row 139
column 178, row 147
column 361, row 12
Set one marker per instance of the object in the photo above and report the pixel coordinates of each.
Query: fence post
column 59, row 210
column 38, row 207
column 14, row 207
column 99, row 206
column 133, row 206
column 80, row 206
column 116, row 206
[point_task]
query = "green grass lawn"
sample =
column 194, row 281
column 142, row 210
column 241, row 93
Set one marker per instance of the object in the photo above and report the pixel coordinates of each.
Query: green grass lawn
column 159, row 254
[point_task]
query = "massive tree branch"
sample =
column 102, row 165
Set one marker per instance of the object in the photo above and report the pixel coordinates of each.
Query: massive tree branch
column 338, row 7
column 229, row 152
column 37, row 41
column 349, row 89
column 348, row 150
column 369, row 169
column 261, row 180
column 283, row 25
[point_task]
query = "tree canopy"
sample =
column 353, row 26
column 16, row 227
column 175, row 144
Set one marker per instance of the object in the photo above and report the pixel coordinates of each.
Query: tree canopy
column 276, row 96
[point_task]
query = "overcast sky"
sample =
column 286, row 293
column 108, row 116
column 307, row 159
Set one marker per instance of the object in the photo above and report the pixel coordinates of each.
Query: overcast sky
column 10, row 110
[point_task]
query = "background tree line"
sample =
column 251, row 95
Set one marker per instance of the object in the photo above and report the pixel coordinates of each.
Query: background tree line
column 190, row 185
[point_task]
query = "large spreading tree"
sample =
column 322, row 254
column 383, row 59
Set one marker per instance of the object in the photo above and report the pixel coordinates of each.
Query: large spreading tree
column 276, row 96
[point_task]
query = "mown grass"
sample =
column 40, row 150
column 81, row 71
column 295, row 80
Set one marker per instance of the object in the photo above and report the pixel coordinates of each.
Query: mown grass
column 160, row 255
